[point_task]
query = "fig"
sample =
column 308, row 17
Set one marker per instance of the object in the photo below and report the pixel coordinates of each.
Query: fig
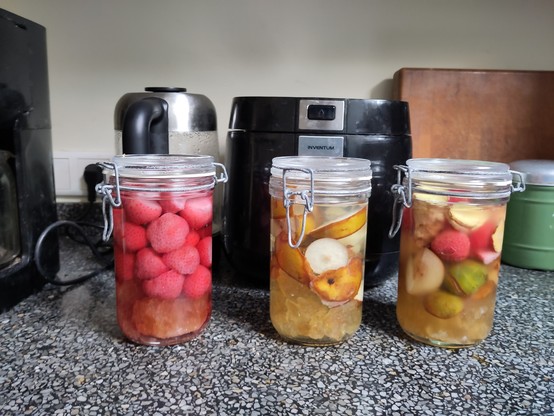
column 469, row 275
column 424, row 273
column 443, row 305
column 326, row 254
column 341, row 284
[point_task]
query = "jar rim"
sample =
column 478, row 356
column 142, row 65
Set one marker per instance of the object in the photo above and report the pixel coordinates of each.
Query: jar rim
column 326, row 168
column 164, row 166
column 458, row 166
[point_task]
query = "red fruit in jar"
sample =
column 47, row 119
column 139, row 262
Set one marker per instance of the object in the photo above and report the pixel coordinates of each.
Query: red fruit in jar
column 481, row 238
column 198, row 283
column 131, row 237
column 198, row 212
column 451, row 245
column 205, row 250
column 149, row 264
column 124, row 264
column 166, row 286
column 173, row 205
column 140, row 211
column 192, row 238
column 170, row 318
column 167, row 233
column 184, row 260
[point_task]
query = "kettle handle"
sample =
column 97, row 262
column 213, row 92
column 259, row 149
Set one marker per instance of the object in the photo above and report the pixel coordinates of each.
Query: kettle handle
column 145, row 127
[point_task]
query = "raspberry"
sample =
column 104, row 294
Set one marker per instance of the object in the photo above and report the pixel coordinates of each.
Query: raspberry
column 173, row 205
column 140, row 211
column 198, row 212
column 198, row 283
column 167, row 233
column 166, row 286
column 184, row 260
column 205, row 250
column 451, row 245
column 149, row 265
column 124, row 264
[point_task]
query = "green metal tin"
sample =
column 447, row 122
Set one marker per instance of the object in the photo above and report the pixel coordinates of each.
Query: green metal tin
column 529, row 234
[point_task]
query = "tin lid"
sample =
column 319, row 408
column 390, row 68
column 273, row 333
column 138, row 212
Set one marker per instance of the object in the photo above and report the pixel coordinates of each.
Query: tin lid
column 536, row 172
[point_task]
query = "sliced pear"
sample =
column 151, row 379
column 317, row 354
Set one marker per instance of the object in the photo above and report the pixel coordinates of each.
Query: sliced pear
column 467, row 217
column 278, row 210
column 341, row 284
column 342, row 227
column 290, row 259
column 498, row 238
column 424, row 273
column 443, row 305
column 326, row 254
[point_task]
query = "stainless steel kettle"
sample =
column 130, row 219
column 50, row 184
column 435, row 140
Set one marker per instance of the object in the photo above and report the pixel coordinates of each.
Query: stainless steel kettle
column 165, row 120
column 168, row 120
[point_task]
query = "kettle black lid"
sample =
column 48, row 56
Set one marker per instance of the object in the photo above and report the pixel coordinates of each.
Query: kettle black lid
column 320, row 115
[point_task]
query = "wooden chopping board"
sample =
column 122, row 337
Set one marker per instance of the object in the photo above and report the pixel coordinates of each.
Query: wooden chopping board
column 491, row 115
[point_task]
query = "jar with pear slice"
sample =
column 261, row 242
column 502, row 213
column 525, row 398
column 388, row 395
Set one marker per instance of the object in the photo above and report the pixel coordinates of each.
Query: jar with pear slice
column 318, row 237
column 451, row 217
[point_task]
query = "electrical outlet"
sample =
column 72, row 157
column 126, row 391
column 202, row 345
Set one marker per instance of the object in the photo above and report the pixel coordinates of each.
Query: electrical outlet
column 68, row 172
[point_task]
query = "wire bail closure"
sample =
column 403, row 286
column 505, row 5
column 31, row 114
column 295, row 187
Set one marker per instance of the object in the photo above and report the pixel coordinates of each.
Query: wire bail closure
column 401, row 195
column 306, row 195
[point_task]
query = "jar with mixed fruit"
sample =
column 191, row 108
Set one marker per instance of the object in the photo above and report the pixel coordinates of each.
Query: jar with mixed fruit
column 450, row 246
column 162, row 210
column 318, row 236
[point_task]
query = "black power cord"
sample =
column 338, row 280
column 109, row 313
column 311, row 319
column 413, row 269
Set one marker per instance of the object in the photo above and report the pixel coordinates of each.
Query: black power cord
column 92, row 176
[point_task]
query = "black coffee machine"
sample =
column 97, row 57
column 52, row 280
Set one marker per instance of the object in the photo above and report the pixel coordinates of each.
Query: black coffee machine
column 262, row 128
column 27, row 176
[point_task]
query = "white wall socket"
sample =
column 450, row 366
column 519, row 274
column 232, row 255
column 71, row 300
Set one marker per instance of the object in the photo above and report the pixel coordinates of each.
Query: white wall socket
column 68, row 173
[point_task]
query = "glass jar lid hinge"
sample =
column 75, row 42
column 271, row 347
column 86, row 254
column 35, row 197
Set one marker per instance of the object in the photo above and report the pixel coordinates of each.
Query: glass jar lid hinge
column 307, row 196
column 402, row 198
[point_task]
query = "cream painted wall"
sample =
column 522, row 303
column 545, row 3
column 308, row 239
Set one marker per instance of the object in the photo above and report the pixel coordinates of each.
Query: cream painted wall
column 101, row 49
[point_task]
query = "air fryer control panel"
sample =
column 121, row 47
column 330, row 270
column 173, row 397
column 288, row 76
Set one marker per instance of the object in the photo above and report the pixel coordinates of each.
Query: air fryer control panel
column 326, row 115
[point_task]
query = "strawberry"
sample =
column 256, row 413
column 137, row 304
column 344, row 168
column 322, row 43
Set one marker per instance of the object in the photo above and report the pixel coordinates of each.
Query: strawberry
column 166, row 286
column 173, row 205
column 124, row 264
column 149, row 264
column 184, row 260
column 192, row 238
column 198, row 283
column 451, row 245
column 131, row 237
column 141, row 211
column 205, row 250
column 167, row 233
column 198, row 212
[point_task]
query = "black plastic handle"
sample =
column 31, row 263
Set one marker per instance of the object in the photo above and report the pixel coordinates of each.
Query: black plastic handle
column 145, row 127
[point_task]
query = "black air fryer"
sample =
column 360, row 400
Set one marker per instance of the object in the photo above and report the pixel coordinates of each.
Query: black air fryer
column 262, row 128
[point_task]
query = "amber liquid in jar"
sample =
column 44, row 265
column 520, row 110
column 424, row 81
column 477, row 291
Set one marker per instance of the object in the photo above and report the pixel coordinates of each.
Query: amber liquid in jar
column 316, row 290
column 449, row 263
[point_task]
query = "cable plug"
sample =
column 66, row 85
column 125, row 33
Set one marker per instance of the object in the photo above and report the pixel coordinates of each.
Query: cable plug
column 92, row 175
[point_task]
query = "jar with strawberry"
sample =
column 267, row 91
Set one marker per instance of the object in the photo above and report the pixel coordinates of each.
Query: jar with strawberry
column 160, row 208
column 451, row 217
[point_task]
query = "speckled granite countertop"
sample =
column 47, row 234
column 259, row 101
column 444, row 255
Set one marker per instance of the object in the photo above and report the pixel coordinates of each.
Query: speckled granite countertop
column 61, row 353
